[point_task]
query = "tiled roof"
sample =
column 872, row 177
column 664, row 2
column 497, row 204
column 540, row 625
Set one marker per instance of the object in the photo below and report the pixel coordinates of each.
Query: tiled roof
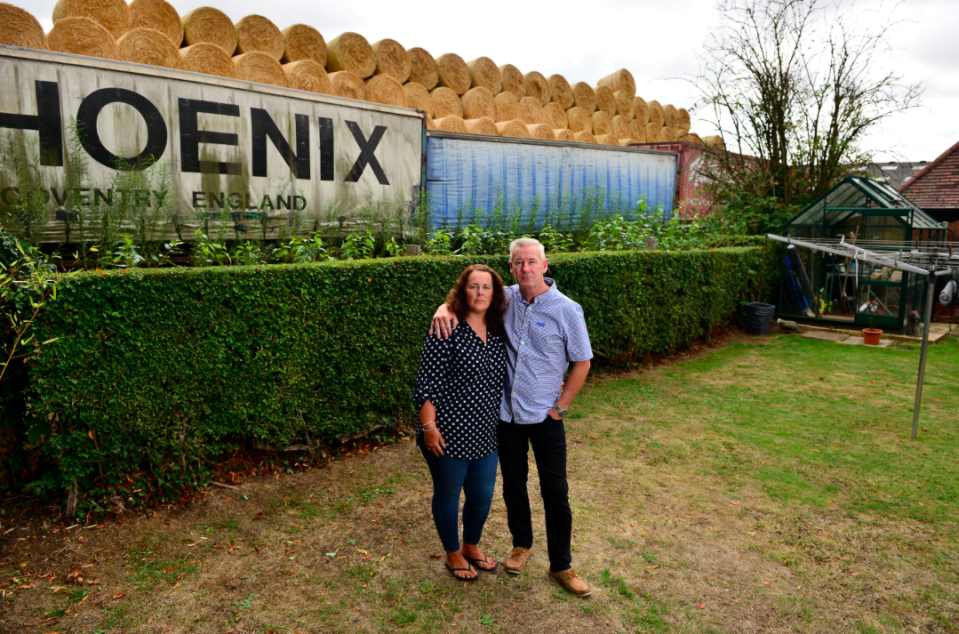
column 936, row 186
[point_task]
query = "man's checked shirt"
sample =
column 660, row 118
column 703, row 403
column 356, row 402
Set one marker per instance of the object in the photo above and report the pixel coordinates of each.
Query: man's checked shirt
column 543, row 338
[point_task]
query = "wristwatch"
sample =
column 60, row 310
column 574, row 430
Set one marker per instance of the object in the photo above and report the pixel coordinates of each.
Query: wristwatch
column 562, row 412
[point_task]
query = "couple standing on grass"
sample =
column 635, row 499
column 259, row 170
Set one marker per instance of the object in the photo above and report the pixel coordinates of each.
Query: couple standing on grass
column 492, row 384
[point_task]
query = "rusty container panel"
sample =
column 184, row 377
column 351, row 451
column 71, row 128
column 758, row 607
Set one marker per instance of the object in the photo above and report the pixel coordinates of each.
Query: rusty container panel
column 692, row 201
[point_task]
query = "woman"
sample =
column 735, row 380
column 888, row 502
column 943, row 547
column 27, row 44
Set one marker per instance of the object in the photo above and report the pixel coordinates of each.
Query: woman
column 458, row 391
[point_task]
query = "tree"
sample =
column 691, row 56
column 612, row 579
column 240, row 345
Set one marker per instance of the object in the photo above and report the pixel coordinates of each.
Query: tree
column 795, row 85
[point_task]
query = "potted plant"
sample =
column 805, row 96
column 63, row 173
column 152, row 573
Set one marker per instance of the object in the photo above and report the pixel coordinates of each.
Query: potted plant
column 870, row 335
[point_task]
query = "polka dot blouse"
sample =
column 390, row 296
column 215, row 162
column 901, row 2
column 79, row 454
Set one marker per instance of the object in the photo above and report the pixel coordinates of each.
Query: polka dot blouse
column 463, row 378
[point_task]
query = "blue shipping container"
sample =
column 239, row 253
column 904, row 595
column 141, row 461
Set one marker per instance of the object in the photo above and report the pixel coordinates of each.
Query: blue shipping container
column 470, row 176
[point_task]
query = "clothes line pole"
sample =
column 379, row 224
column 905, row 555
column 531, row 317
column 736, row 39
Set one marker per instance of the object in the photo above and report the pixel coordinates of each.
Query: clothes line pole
column 922, row 355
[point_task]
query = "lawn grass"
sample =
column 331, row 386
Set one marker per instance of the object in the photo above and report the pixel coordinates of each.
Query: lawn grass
column 768, row 485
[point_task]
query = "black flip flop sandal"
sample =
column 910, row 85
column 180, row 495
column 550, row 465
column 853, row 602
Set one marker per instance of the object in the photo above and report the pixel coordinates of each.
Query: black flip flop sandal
column 484, row 560
column 453, row 572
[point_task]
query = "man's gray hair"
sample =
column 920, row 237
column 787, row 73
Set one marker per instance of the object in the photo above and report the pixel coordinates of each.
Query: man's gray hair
column 520, row 243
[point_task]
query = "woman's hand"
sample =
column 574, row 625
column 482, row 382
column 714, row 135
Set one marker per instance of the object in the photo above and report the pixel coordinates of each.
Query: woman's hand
column 434, row 441
column 441, row 322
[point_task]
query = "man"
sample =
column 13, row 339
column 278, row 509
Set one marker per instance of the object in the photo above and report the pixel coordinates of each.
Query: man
column 546, row 334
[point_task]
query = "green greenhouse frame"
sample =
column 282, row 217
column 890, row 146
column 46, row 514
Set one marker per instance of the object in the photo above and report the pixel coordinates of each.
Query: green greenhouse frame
column 869, row 214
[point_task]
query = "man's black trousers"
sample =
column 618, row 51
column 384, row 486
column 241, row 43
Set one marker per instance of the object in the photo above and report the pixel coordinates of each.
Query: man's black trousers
column 549, row 449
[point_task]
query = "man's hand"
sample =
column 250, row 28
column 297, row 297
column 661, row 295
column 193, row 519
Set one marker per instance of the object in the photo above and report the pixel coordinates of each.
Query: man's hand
column 441, row 322
column 434, row 441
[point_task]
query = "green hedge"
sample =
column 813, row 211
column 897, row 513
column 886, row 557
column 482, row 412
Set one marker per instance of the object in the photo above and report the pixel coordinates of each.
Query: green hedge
column 161, row 371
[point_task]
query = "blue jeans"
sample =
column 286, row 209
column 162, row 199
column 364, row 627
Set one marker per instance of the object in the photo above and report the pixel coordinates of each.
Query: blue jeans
column 476, row 479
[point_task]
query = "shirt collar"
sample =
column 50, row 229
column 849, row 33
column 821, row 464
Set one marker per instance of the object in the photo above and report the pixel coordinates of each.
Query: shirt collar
column 551, row 293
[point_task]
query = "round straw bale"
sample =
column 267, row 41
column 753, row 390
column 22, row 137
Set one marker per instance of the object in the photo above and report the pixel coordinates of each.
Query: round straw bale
column 254, row 33
column 555, row 116
column 607, row 139
column 423, row 68
column 682, row 116
column 261, row 68
column 584, row 137
column 626, row 142
column 640, row 110
column 386, row 90
column 531, row 111
column 430, row 124
column 624, row 105
column 714, row 141
column 537, row 86
column 584, row 97
column 666, row 134
column 670, row 115
column 20, row 28
column 579, row 120
column 419, row 97
column 637, row 131
column 692, row 137
column 307, row 74
column 159, row 15
column 113, row 15
column 478, row 102
column 507, row 107
column 513, row 80
column 454, row 73
column 656, row 114
column 303, row 42
column 208, row 59
column 452, row 123
column 652, row 132
column 392, row 59
column 347, row 84
column 146, row 46
column 351, row 51
column 446, row 102
column 564, row 135
column 620, row 80
column 207, row 25
column 483, row 72
column 560, row 91
column 81, row 36
column 605, row 100
column 514, row 128
column 621, row 127
column 483, row 125
column 602, row 124
column 541, row 131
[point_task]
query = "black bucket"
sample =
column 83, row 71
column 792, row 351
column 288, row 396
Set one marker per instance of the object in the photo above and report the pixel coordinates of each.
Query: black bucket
column 758, row 316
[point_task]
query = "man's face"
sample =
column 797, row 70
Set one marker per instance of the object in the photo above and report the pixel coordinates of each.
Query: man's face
column 528, row 267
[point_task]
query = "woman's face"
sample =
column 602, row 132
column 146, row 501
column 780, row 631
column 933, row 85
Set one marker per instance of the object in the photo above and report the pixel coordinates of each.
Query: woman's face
column 479, row 291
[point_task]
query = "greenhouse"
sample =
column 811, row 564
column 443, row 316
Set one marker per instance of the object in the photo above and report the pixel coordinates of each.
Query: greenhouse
column 826, row 287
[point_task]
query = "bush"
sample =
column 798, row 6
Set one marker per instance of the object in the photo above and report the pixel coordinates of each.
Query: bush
column 156, row 373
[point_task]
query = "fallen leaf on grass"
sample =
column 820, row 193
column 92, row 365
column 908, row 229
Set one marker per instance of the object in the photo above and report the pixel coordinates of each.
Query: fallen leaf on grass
column 333, row 554
column 385, row 556
column 118, row 595
column 701, row 605
column 361, row 551
column 259, row 516
column 432, row 556
column 58, row 589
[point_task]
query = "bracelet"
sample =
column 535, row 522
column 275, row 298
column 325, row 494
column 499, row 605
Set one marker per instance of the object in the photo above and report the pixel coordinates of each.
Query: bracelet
column 432, row 422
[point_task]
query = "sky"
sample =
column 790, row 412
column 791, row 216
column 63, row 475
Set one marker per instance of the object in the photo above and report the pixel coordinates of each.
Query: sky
column 658, row 42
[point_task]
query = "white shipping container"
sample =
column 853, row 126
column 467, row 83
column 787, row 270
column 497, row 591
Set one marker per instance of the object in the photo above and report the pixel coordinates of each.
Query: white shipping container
column 111, row 142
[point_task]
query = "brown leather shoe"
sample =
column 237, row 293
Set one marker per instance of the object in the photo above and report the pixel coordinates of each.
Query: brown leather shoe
column 571, row 581
column 517, row 560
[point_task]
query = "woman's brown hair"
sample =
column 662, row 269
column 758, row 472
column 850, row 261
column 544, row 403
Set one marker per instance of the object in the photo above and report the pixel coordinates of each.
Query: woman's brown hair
column 456, row 299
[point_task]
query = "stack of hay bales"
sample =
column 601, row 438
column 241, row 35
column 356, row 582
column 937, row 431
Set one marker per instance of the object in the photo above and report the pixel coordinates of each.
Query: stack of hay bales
column 476, row 97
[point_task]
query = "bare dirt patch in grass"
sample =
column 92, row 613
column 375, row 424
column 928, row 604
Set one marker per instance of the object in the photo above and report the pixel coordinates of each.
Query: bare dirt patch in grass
column 717, row 494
